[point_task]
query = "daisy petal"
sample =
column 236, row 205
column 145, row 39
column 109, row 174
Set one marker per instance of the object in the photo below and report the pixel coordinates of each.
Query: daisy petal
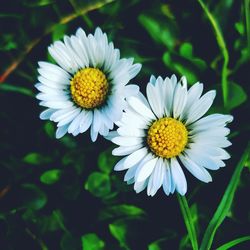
column 145, row 170
column 178, row 177
column 135, row 157
column 199, row 108
column 196, row 170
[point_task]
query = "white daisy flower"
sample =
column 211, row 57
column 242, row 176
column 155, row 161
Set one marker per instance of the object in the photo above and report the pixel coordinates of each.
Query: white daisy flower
column 88, row 87
column 165, row 132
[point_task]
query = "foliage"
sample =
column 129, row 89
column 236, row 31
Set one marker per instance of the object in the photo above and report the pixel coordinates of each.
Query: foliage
column 64, row 194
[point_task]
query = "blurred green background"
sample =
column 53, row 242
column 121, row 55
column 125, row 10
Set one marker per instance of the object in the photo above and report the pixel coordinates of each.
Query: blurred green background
column 63, row 194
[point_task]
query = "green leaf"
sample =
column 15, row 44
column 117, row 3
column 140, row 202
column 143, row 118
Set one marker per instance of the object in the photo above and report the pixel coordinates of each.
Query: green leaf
column 46, row 223
column 121, row 210
column 98, row 184
column 59, row 32
column 233, row 243
column 154, row 246
column 33, row 197
column 8, row 41
column 159, row 31
column 106, row 161
column 36, row 159
column 12, row 88
column 163, row 243
column 50, row 129
column 37, row 3
column 51, row 176
column 92, row 242
column 240, row 28
column 186, row 50
column 189, row 221
column 225, row 203
column 178, row 66
column 119, row 231
column 236, row 96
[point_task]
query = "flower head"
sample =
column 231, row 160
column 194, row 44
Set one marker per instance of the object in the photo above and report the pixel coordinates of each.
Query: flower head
column 87, row 87
column 165, row 132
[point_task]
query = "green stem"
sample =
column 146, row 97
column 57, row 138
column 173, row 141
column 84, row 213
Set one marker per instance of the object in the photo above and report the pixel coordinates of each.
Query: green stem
column 224, row 51
column 225, row 204
column 247, row 16
column 187, row 216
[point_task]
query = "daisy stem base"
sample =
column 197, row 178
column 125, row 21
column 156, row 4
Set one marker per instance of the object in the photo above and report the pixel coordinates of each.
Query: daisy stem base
column 189, row 221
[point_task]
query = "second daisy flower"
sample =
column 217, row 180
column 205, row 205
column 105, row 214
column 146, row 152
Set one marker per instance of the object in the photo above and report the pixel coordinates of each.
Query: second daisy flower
column 160, row 134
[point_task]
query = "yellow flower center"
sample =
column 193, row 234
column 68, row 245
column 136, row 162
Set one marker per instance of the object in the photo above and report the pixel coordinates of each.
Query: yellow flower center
column 167, row 137
column 89, row 88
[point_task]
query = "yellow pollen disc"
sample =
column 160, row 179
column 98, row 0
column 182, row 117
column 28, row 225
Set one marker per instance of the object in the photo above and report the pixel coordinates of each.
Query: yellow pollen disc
column 89, row 88
column 167, row 137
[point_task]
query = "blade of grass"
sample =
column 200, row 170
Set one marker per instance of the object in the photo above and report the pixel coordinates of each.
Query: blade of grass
column 233, row 243
column 12, row 88
column 247, row 16
column 223, row 48
column 187, row 216
column 225, row 204
column 33, row 43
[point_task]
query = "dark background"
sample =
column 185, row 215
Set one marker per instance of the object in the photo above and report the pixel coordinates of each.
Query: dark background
column 55, row 193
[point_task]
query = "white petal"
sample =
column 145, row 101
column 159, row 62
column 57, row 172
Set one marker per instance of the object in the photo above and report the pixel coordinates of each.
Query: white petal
column 62, row 58
column 86, row 121
column 140, row 186
column 46, row 114
column 131, row 119
column 213, row 132
column 111, row 135
column 131, row 131
column 156, row 178
column 193, row 96
column 134, row 70
column 62, row 97
column 155, row 97
column 131, row 90
column 216, row 141
column 76, row 122
column 53, row 70
column 170, row 86
column 135, row 157
column 61, row 131
column 56, row 83
column 180, row 98
column 144, row 172
column 127, row 141
column 214, row 120
column 69, row 118
column 167, row 184
column 61, row 114
column 199, row 108
column 130, row 173
column 120, row 165
column 196, row 170
column 202, row 159
column 93, row 134
column 106, row 120
column 140, row 108
column 178, row 176
column 57, row 104
column 97, row 121
column 125, row 150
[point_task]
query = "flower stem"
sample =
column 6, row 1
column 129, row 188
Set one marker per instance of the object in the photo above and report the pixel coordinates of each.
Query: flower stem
column 224, row 51
column 247, row 16
column 187, row 216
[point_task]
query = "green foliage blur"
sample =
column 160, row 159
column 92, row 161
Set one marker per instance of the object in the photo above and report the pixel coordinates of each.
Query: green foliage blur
column 64, row 194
